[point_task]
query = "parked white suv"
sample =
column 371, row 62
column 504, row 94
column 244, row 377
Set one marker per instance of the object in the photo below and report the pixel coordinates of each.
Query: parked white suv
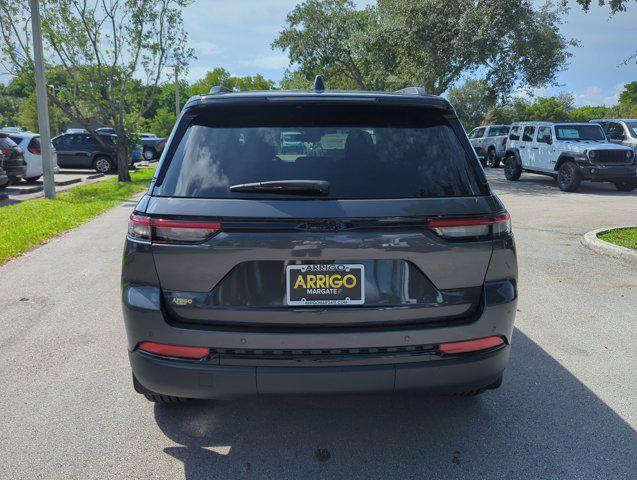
column 30, row 143
column 489, row 142
column 569, row 152
column 622, row 131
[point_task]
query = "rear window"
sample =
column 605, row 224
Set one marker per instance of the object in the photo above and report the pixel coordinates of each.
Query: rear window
column 362, row 151
column 34, row 144
column 6, row 142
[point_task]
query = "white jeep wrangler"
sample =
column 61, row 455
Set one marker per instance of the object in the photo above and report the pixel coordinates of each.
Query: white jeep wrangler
column 569, row 152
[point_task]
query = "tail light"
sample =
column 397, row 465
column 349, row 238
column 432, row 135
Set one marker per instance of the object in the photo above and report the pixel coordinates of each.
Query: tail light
column 194, row 353
column 504, row 141
column 471, row 345
column 34, row 151
column 163, row 230
column 4, row 151
column 471, row 227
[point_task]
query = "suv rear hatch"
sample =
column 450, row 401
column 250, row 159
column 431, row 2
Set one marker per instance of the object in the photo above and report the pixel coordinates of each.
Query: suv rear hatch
column 380, row 214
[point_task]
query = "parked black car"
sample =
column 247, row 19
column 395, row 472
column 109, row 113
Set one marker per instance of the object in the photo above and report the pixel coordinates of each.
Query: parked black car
column 152, row 145
column 82, row 150
column 377, row 258
column 13, row 163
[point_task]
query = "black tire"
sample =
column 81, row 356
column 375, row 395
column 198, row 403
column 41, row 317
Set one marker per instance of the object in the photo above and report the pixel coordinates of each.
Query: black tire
column 163, row 399
column 31, row 179
column 492, row 159
column 512, row 168
column 569, row 177
column 625, row 186
column 149, row 154
column 103, row 164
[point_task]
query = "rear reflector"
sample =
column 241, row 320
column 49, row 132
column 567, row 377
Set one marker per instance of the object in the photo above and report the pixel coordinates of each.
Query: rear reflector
column 471, row 226
column 471, row 345
column 174, row 350
column 165, row 230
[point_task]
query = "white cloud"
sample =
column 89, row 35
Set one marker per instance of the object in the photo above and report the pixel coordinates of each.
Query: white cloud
column 595, row 95
column 205, row 48
column 197, row 72
column 268, row 62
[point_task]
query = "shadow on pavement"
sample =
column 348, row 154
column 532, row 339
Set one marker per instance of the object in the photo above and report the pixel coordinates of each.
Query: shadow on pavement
column 543, row 423
column 542, row 185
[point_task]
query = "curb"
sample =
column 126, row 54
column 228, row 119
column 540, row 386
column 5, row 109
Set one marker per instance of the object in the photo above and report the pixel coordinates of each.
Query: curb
column 624, row 254
column 62, row 183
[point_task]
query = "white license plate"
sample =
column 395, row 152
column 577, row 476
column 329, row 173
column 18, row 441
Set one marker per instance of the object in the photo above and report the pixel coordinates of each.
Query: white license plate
column 321, row 284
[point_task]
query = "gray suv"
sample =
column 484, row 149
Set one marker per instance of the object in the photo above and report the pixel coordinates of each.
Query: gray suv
column 371, row 257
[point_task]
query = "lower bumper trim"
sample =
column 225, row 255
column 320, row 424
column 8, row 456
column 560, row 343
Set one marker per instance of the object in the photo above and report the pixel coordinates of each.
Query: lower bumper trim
column 205, row 381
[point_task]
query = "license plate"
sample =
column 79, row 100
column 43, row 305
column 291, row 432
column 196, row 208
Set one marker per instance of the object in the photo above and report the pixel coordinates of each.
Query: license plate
column 334, row 284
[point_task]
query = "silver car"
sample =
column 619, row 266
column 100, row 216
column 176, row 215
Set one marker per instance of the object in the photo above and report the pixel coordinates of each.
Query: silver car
column 376, row 258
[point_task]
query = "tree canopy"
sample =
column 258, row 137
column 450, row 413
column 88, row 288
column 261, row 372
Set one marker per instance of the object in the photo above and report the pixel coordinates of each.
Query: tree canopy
column 432, row 43
column 473, row 110
column 113, row 55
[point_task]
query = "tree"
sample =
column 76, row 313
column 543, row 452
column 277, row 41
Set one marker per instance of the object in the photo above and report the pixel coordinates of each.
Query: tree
column 552, row 109
column 163, row 121
column 109, row 50
column 628, row 101
column 629, row 95
column 614, row 6
column 588, row 112
column 9, row 107
column 221, row 77
column 396, row 43
column 471, row 101
column 28, row 116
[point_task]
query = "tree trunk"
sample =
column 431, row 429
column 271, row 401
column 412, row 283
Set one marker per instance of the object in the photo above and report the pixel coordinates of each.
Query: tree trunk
column 123, row 158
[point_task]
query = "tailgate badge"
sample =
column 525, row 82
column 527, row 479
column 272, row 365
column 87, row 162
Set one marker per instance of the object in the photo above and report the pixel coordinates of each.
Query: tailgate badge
column 324, row 226
column 181, row 302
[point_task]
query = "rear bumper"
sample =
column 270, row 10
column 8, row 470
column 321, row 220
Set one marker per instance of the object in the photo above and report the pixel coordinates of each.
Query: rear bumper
column 196, row 380
column 244, row 371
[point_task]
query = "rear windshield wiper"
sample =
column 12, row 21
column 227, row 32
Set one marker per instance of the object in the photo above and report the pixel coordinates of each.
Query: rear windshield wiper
column 294, row 187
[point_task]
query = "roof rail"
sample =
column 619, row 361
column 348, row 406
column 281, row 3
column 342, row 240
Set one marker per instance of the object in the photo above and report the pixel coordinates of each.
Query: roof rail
column 318, row 85
column 219, row 90
column 412, row 91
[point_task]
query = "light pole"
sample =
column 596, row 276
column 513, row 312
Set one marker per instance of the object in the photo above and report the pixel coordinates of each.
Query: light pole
column 177, row 109
column 43, row 108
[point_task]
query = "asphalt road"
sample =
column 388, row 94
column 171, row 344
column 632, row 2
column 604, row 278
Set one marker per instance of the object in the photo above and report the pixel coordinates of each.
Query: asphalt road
column 566, row 410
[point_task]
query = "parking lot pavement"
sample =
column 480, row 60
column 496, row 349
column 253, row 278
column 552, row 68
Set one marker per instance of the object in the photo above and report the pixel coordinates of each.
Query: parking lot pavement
column 566, row 410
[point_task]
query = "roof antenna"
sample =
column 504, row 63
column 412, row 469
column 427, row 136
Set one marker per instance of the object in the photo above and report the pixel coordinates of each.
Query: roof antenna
column 318, row 85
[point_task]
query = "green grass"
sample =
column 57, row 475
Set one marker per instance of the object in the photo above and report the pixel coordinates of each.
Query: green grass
column 30, row 223
column 624, row 237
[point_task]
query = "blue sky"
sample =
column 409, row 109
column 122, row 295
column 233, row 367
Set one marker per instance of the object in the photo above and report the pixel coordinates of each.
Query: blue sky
column 237, row 35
